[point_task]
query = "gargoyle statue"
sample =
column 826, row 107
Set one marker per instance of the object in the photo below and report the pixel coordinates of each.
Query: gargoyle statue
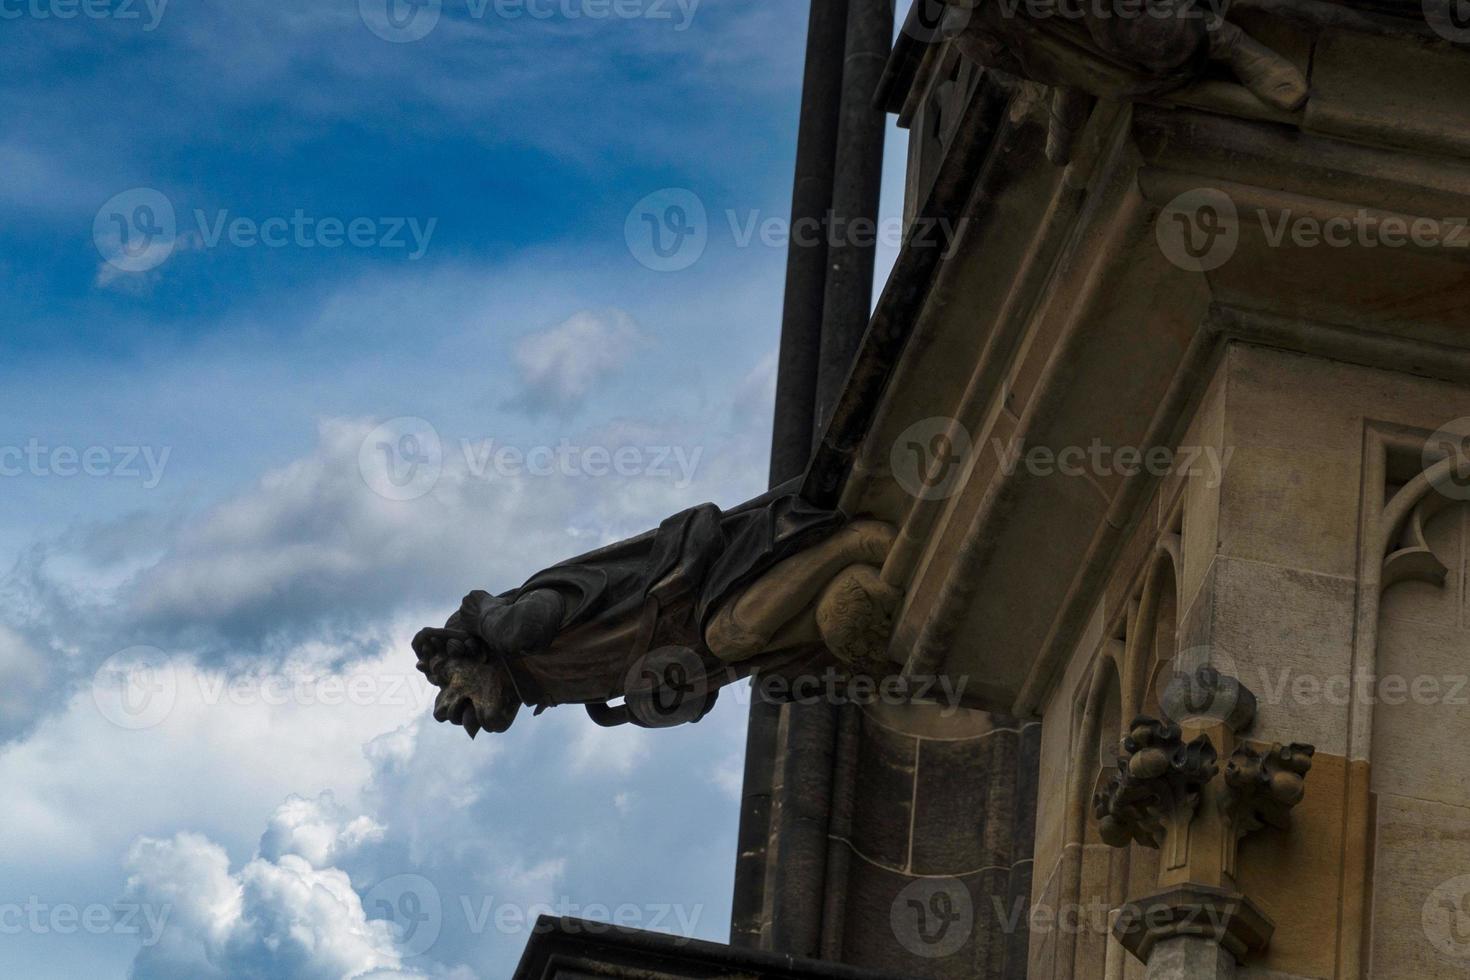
column 1116, row 49
column 669, row 617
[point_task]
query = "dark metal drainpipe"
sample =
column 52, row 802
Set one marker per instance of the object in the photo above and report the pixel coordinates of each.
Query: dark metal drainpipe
column 794, row 750
column 796, row 393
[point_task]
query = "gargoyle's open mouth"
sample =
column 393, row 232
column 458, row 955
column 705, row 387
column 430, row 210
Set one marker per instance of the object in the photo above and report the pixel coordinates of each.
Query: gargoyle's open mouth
column 475, row 691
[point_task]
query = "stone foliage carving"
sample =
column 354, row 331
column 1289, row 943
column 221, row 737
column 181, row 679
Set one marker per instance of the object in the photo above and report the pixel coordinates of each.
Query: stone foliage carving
column 1262, row 787
column 1157, row 784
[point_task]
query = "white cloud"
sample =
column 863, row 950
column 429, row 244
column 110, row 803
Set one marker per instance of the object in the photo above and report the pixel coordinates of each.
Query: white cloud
column 275, row 918
column 319, row 830
column 559, row 367
column 224, row 755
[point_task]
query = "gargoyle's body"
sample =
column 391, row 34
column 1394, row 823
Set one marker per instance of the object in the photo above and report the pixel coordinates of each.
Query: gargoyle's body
column 1116, row 49
column 574, row 633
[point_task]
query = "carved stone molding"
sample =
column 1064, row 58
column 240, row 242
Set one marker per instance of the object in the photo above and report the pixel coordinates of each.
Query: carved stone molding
column 1228, row 918
column 1407, row 555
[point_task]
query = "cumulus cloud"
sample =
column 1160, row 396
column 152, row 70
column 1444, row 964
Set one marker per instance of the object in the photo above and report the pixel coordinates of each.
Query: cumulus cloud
column 284, row 917
column 320, row 830
column 559, row 367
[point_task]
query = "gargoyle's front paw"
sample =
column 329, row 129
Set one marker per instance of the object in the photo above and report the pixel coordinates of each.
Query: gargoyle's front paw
column 434, row 647
column 855, row 617
column 472, row 609
column 475, row 696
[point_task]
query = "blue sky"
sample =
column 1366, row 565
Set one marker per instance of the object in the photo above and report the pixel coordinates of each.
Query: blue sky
column 187, row 444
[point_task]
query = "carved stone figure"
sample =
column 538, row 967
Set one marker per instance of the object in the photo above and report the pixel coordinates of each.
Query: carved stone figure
column 1116, row 49
column 706, row 599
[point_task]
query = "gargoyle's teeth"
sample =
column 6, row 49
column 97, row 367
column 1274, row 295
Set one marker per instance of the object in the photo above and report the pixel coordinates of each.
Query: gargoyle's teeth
column 464, row 713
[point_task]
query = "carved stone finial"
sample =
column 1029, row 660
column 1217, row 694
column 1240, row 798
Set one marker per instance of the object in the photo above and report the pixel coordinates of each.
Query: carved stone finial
column 1157, row 786
column 1262, row 787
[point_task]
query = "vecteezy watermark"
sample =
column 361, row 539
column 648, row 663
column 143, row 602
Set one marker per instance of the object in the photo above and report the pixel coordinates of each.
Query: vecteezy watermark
column 1100, row 10
column 933, row 917
column 1284, row 685
column 148, row 12
column 404, row 458
column 930, row 21
column 1449, row 18
column 418, row 914
column 1097, row 459
column 401, row 459
column 1445, row 917
column 139, row 688
column 836, row 687
column 38, row 459
column 485, row 460
column 136, row 688
column 1200, row 230
column 1451, row 442
column 40, row 918
column 405, row 21
column 138, row 230
column 930, row 458
column 1091, row 917
column 413, row 909
column 667, row 687
column 669, row 230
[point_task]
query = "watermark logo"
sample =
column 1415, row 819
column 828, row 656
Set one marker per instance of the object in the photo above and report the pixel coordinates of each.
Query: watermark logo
column 933, row 917
column 139, row 230
column 1199, row 230
column 404, row 21
column 1449, row 18
column 39, row 918
column 1192, row 685
column 122, row 10
column 1452, row 441
column 136, row 230
column 135, row 688
column 936, row 20
column 667, row 687
column 668, row 230
column 1446, row 917
column 38, row 459
column 400, row 21
column 485, row 460
column 401, row 459
column 412, row 907
column 929, row 459
column 1100, row 460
